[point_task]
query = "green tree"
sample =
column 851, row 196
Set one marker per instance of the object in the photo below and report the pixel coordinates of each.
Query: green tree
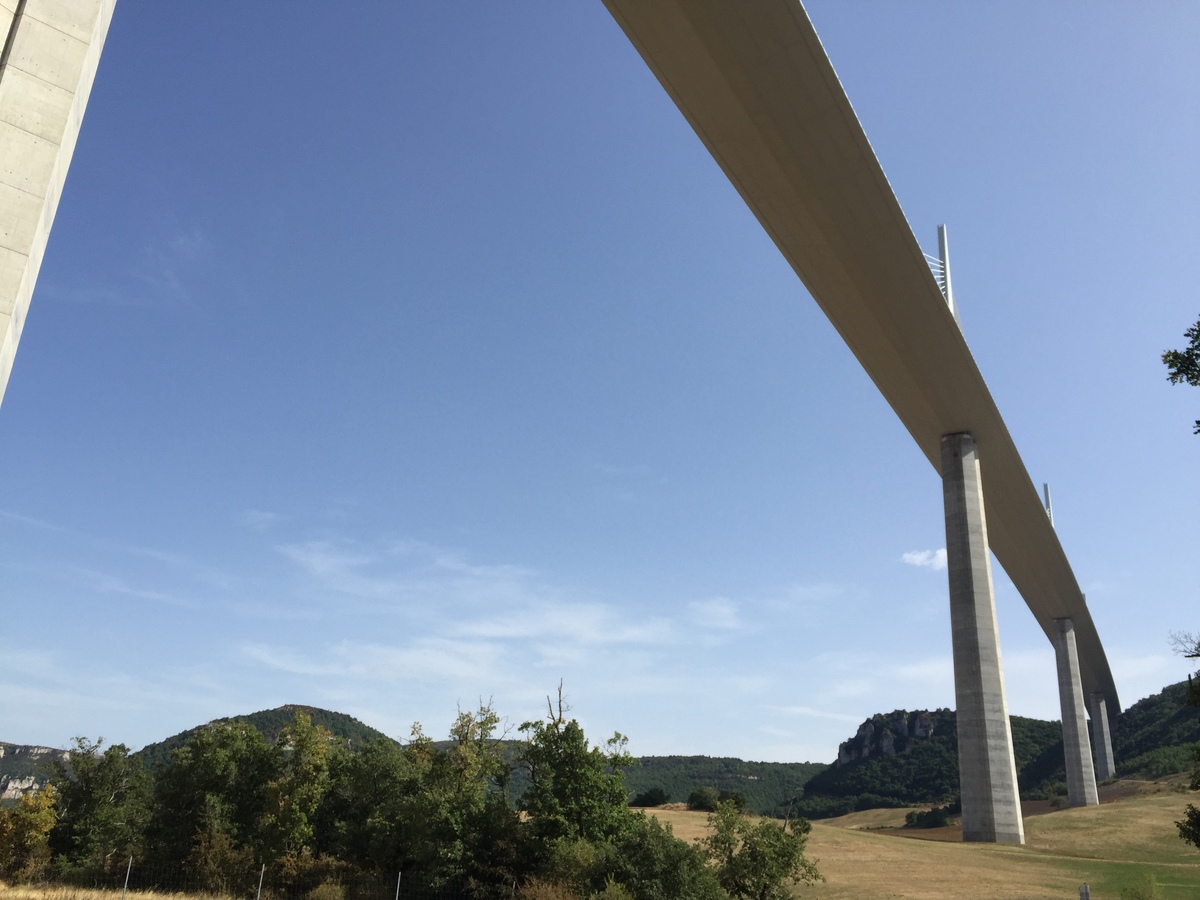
column 25, row 836
column 704, row 799
column 293, row 795
column 653, row 864
column 1188, row 645
column 655, row 796
column 1183, row 366
column 438, row 814
column 758, row 861
column 103, row 801
column 576, row 790
column 210, row 798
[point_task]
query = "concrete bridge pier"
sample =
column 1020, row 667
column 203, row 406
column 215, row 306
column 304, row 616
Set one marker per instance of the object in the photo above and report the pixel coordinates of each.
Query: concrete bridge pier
column 1081, row 777
column 1101, row 738
column 987, row 769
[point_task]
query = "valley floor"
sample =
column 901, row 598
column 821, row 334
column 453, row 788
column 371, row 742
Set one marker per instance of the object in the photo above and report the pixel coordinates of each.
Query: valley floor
column 1109, row 847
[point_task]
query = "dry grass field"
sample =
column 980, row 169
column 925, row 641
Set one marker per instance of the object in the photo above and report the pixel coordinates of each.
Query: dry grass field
column 35, row 892
column 1112, row 846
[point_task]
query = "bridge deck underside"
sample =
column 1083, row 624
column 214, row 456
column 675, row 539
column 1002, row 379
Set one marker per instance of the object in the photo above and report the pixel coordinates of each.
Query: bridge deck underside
column 754, row 82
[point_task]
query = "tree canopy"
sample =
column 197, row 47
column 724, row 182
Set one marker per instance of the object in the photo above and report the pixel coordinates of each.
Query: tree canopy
column 1183, row 366
column 317, row 813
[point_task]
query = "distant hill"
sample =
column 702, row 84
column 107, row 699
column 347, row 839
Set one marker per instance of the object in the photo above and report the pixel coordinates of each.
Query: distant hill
column 766, row 786
column 1154, row 737
column 911, row 758
column 270, row 722
column 900, row 758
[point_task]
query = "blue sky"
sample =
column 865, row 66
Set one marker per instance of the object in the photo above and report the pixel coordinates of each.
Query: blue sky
column 421, row 354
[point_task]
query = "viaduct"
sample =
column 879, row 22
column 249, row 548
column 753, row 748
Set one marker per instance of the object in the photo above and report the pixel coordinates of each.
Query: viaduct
column 752, row 79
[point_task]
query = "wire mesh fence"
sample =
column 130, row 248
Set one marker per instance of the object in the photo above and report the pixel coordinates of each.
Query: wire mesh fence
column 136, row 880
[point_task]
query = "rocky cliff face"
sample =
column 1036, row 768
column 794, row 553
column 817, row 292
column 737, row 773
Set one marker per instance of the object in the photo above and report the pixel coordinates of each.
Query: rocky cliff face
column 24, row 768
column 891, row 733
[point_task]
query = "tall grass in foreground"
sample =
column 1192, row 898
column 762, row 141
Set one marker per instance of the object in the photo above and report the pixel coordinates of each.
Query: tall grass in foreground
column 60, row 892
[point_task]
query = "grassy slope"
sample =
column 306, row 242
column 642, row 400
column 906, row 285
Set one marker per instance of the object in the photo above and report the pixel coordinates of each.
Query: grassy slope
column 1109, row 847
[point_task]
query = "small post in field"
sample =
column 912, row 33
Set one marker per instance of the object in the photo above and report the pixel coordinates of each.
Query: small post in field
column 398, row 874
column 127, row 870
column 262, row 872
column 1085, row 892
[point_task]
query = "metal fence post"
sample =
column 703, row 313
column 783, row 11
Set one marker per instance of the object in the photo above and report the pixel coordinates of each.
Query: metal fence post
column 128, row 868
column 258, row 896
column 398, row 874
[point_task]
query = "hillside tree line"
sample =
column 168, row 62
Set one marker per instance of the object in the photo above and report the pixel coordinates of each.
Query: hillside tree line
column 322, row 817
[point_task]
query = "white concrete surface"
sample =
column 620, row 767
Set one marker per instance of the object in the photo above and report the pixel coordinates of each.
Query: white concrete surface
column 1081, row 775
column 51, row 51
column 987, row 768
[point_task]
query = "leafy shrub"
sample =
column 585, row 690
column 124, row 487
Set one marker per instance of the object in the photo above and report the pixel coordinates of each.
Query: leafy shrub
column 704, row 799
column 656, row 796
column 1146, row 889
column 758, row 861
column 935, row 817
column 737, row 798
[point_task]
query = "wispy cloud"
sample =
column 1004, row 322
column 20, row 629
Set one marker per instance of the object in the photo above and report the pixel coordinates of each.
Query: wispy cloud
column 259, row 520
column 429, row 660
column 719, row 613
column 926, row 559
column 811, row 713
column 111, row 584
column 161, row 276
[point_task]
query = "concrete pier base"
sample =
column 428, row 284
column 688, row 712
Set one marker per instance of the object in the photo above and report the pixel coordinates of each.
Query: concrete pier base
column 1101, row 738
column 987, row 771
column 1081, row 776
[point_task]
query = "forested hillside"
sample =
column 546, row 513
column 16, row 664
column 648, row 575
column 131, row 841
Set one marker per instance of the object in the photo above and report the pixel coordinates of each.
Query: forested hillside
column 766, row 786
column 901, row 758
column 1154, row 736
column 269, row 722
column 911, row 758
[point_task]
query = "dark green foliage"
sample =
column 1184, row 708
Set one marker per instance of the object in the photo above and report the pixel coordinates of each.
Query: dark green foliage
column 737, row 798
column 656, row 796
column 1152, row 738
column 1162, row 762
column 1183, row 366
column 438, row 815
column 1038, row 750
column 927, row 772
column 653, row 865
column 1162, row 720
column 103, row 803
column 1189, row 826
column 269, row 722
column 576, row 791
column 935, row 817
column 704, row 799
column 758, row 861
column 644, row 860
column 212, row 797
column 766, row 786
